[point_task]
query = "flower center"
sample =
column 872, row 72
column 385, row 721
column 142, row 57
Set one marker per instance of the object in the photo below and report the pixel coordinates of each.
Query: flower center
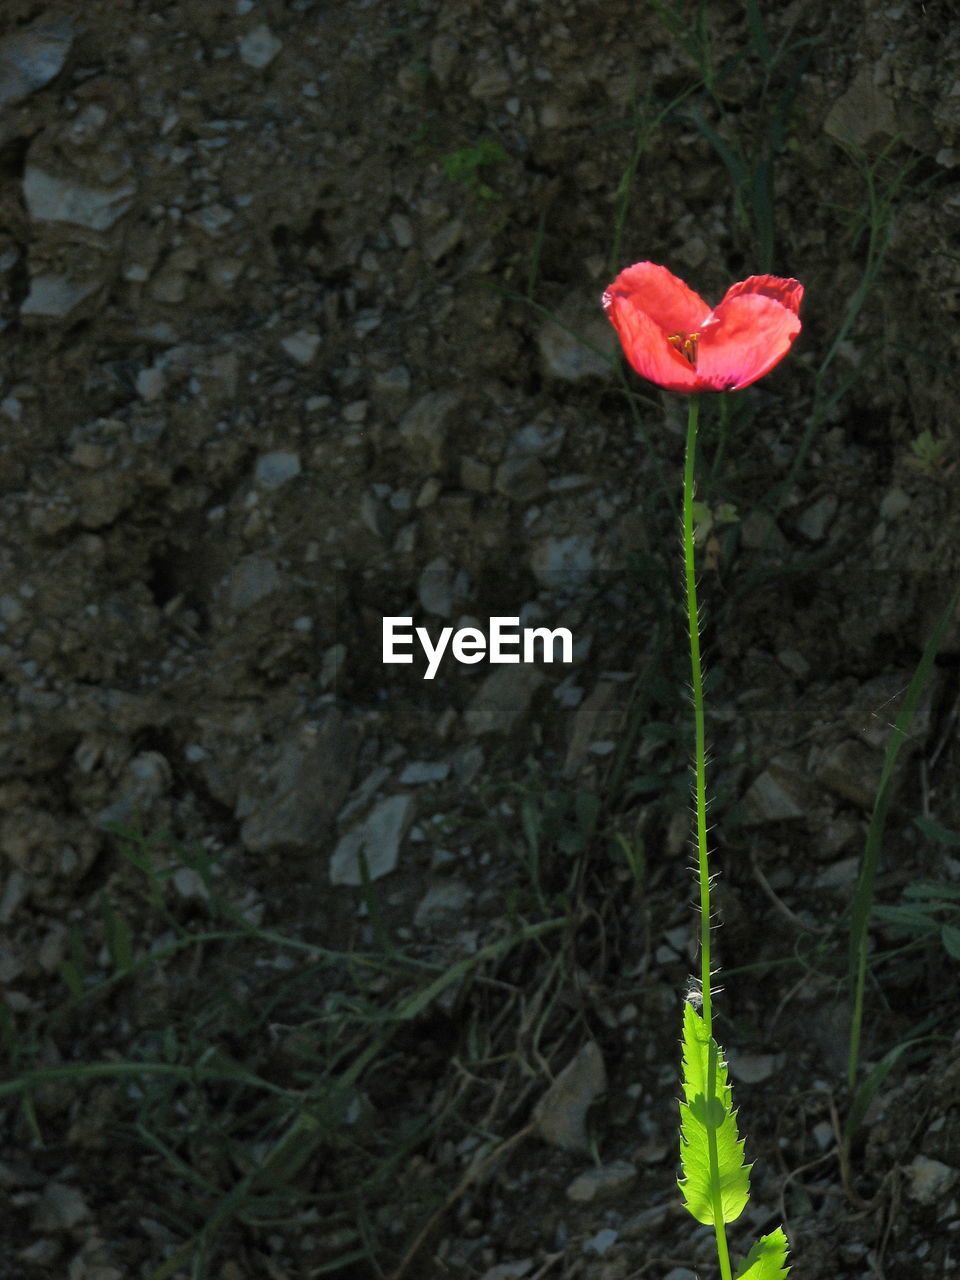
column 686, row 345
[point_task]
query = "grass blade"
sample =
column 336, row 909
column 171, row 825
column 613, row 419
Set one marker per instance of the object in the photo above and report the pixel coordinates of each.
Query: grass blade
column 863, row 896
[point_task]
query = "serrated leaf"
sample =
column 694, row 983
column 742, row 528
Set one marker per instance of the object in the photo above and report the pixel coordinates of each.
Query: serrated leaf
column 711, row 1151
column 767, row 1260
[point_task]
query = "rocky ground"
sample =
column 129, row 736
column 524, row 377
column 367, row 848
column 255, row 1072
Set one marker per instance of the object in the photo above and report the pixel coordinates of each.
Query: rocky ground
column 311, row 966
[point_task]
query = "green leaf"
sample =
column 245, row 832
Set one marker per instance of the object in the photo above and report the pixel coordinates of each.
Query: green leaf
column 938, row 833
column 870, row 1088
column 587, row 807
column 117, row 936
column 937, row 892
column 71, row 976
column 767, row 1260
column 912, row 919
column 950, row 937
column 530, row 822
column 711, row 1151
column 758, row 33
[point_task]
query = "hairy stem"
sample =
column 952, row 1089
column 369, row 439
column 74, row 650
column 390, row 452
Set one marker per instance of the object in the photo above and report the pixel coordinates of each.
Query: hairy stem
column 700, row 788
column 699, row 754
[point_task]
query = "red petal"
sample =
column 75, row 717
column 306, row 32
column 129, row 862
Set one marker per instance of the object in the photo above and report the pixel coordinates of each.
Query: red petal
column 750, row 332
column 659, row 294
column 787, row 291
column 646, row 347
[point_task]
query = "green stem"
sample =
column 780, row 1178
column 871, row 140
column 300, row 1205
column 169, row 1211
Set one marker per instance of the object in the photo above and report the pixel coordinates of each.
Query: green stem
column 700, row 787
column 699, row 757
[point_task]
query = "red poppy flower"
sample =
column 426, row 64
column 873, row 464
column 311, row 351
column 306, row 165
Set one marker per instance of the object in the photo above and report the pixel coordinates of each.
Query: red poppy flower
column 671, row 336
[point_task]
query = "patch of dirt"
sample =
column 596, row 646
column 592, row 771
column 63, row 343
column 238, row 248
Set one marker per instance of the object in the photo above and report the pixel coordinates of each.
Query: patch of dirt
column 300, row 331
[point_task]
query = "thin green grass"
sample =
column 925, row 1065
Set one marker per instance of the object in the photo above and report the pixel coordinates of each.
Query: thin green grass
column 862, row 904
column 257, row 1123
column 750, row 156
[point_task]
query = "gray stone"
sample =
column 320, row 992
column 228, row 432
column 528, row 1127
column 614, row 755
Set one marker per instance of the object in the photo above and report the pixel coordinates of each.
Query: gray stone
column 363, row 794
column 536, row 441
column 442, row 901
column 640, row 1226
column 423, row 428
column 435, row 590
column 418, row 772
column 760, row 532
column 444, row 51
column 562, row 563
column 443, row 240
column 15, row 893
column 331, row 664
column 275, row 469
column 567, row 355
column 391, row 387
column 503, row 699
column 169, row 284
column 491, row 81
column 751, row 1068
column 928, row 1180
column 378, row 837
column 568, row 483
column 375, row 516
column 259, row 47
column 598, row 714
column 11, row 610
column 55, row 296
column 31, row 57
column 151, row 383
column 814, row 522
column 894, row 503
column 292, row 803
column 212, row 219
column 851, row 770
column 780, row 794
column 872, row 711
column 863, row 113
column 402, row 229
column 54, row 199
column 792, row 660
column 509, row 1270
column 521, row 479
column 599, row 1244
column 146, row 778
column 189, row 884
column 475, row 475
column 60, row 1208
column 601, row 1186
column 561, row 1113
column 251, row 581
column 839, row 875
column 301, row 346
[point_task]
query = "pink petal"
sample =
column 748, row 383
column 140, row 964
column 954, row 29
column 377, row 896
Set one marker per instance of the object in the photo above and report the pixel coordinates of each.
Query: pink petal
column 664, row 297
column 787, row 291
column 646, row 347
column 749, row 333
